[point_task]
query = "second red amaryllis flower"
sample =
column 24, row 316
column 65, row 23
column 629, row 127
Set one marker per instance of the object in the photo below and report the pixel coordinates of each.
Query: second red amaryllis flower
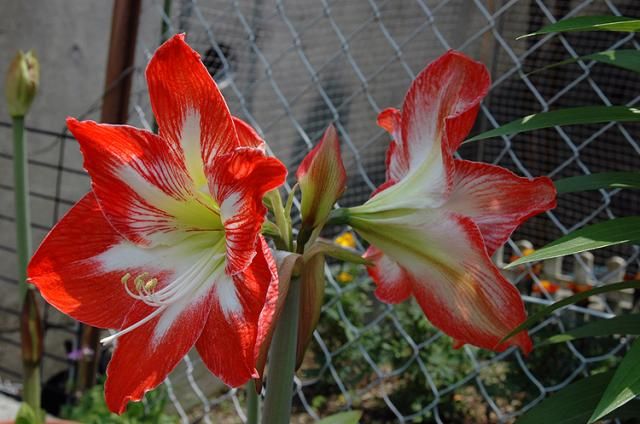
column 166, row 249
column 435, row 222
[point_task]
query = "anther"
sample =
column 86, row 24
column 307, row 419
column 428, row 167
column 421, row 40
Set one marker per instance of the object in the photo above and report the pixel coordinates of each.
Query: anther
column 139, row 282
column 151, row 284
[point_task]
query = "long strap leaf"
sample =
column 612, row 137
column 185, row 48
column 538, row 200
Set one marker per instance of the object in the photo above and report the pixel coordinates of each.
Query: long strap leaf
column 590, row 23
column 598, row 181
column 569, row 301
column 623, row 387
column 624, row 59
column 596, row 236
column 622, row 324
column 560, row 117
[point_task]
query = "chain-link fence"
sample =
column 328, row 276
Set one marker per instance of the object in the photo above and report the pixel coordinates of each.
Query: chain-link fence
column 290, row 68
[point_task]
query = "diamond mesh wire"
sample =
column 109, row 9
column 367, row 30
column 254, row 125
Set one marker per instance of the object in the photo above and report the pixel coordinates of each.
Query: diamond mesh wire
column 292, row 67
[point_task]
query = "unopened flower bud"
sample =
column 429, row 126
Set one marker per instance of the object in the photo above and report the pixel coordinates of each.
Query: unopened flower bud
column 21, row 83
column 31, row 330
column 322, row 179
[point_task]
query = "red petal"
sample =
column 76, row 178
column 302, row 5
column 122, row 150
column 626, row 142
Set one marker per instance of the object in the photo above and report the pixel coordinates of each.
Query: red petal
column 238, row 181
column 438, row 112
column 497, row 200
column 141, row 183
column 228, row 345
column 247, row 136
column 65, row 270
column 460, row 290
column 187, row 104
column 393, row 282
column 144, row 357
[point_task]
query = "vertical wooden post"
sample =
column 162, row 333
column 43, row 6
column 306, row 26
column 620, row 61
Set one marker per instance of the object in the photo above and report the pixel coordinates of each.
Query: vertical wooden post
column 115, row 107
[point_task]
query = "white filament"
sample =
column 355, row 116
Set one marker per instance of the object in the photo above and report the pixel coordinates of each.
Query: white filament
column 187, row 284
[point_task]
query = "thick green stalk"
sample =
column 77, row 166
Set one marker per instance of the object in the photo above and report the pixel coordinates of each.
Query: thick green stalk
column 282, row 361
column 253, row 403
column 21, row 192
column 31, row 386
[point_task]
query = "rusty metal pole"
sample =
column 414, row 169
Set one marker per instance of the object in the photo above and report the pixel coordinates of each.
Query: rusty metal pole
column 115, row 107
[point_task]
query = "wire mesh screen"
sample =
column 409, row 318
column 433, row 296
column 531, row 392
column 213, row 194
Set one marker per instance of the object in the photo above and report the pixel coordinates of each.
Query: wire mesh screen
column 290, row 68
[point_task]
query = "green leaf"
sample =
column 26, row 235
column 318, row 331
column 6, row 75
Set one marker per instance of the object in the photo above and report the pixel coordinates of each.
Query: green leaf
column 26, row 415
column 350, row 417
column 590, row 23
column 623, row 324
column 569, row 301
column 623, row 387
column 624, row 59
column 574, row 403
column 596, row 236
column 568, row 116
column 598, row 181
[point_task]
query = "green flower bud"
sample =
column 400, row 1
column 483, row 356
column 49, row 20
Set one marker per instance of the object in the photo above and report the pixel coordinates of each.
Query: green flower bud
column 21, row 83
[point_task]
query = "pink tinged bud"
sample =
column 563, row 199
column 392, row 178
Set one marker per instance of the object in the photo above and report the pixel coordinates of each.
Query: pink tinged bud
column 322, row 179
column 31, row 330
column 21, row 83
column 311, row 300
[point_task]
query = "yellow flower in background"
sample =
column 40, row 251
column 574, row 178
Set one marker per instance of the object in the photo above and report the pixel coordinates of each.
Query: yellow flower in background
column 344, row 276
column 346, row 239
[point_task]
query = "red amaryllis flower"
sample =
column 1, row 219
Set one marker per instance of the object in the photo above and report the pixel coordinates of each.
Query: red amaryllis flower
column 166, row 248
column 436, row 220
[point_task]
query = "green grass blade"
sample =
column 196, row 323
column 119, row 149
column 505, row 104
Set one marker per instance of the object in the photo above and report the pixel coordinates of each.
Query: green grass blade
column 624, row 59
column 560, row 117
column 620, row 325
column 630, row 180
column 596, row 236
column 623, row 387
column 590, row 23
column 569, row 301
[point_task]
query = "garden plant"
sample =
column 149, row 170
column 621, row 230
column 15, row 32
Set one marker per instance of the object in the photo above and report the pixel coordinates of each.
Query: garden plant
column 186, row 240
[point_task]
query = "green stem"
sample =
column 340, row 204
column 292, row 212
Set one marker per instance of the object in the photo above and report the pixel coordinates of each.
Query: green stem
column 253, row 403
column 21, row 192
column 31, row 389
column 282, row 360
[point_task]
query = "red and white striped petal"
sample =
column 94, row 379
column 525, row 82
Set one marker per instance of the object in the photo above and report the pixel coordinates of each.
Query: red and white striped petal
column 144, row 357
column 238, row 181
column 397, row 161
column 393, row 282
column 437, row 114
column 458, row 287
column 231, row 338
column 67, row 275
column 497, row 200
column 192, row 115
column 439, row 111
column 142, row 184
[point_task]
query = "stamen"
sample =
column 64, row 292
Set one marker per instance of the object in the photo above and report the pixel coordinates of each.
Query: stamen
column 144, row 288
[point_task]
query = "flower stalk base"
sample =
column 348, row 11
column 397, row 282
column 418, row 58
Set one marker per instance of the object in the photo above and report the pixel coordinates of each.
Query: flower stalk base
column 282, row 360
